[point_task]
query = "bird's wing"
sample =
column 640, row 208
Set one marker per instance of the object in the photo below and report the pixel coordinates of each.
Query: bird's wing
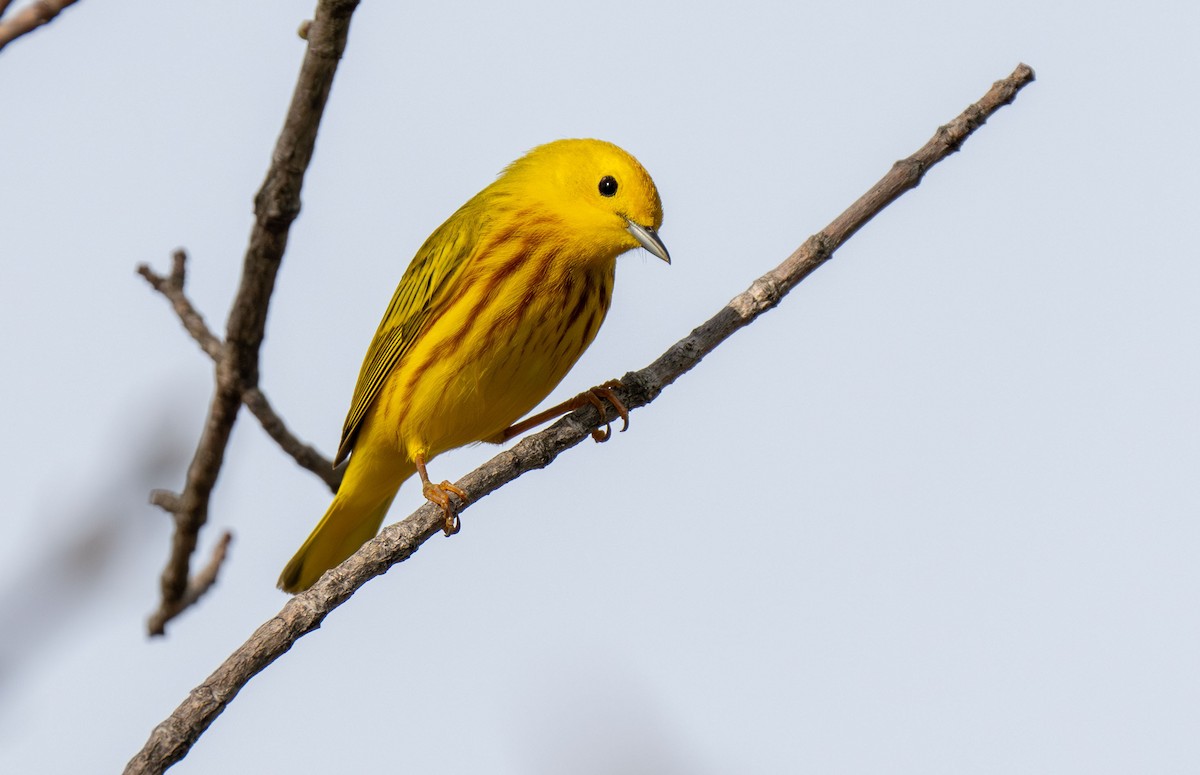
column 425, row 285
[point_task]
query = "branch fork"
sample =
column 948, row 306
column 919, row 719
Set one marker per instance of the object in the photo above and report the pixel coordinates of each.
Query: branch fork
column 276, row 206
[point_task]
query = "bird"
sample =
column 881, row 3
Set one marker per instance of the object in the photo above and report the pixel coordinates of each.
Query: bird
column 493, row 311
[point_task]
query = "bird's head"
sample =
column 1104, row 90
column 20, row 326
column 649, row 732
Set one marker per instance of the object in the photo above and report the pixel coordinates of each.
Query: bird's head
column 603, row 196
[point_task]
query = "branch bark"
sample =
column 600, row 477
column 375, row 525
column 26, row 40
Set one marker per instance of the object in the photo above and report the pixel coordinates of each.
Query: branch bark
column 172, row 288
column 275, row 208
column 171, row 740
column 28, row 18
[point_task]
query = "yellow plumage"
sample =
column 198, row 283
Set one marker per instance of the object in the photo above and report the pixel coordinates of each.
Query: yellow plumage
column 494, row 309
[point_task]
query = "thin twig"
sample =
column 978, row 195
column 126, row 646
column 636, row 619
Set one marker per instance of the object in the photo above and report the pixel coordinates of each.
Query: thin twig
column 171, row 740
column 29, row 18
column 172, row 287
column 275, row 208
column 199, row 583
column 304, row 454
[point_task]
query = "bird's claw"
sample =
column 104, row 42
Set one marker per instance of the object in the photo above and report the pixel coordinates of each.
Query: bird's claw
column 439, row 494
column 596, row 397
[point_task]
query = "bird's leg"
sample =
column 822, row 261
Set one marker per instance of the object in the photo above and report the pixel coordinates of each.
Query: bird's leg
column 596, row 397
column 440, row 494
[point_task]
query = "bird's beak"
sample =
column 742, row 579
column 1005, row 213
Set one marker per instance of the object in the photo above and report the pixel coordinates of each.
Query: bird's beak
column 649, row 239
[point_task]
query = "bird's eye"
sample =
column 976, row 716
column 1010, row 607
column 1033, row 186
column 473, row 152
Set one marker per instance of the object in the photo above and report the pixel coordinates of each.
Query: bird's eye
column 608, row 185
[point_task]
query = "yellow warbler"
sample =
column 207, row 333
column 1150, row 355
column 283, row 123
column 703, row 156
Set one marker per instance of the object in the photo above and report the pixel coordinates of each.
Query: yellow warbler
column 495, row 308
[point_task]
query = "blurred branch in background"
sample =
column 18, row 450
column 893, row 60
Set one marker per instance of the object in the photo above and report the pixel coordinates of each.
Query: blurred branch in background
column 173, row 738
column 275, row 208
column 94, row 540
column 27, row 18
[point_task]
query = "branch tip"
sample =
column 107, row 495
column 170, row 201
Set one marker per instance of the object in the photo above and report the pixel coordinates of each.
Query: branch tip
column 166, row 500
column 179, row 267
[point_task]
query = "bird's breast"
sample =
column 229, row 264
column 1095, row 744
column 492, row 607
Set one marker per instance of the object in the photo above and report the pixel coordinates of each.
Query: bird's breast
column 495, row 352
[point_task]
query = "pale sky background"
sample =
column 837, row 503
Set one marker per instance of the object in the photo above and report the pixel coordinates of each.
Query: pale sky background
column 938, row 513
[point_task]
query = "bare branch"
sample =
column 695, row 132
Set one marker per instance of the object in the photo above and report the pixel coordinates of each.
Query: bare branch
column 275, row 207
column 197, row 586
column 28, row 18
column 304, row 454
column 172, row 288
column 171, row 740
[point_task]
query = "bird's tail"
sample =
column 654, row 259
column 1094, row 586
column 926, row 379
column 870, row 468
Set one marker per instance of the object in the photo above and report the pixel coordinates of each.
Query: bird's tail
column 352, row 519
